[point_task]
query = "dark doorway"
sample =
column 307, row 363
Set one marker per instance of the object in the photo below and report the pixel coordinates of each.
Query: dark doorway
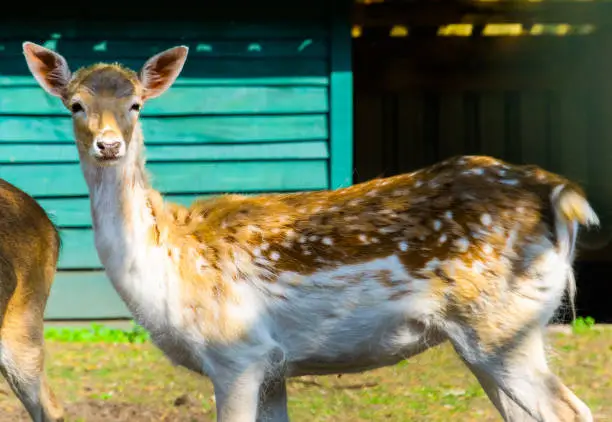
column 527, row 82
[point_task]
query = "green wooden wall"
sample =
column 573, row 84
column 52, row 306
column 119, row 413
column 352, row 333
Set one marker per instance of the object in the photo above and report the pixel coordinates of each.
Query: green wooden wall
column 258, row 108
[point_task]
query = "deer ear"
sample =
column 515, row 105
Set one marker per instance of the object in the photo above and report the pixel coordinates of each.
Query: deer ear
column 161, row 70
column 48, row 67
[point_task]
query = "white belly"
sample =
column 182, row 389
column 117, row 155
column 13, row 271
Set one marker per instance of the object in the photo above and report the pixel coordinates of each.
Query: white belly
column 351, row 319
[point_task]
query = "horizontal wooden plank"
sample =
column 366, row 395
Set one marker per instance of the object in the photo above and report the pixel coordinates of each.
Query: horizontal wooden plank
column 193, row 129
column 187, row 177
column 32, row 99
column 104, row 50
column 52, row 153
column 75, row 212
column 78, row 250
column 84, row 295
column 281, row 81
column 201, row 67
column 50, row 29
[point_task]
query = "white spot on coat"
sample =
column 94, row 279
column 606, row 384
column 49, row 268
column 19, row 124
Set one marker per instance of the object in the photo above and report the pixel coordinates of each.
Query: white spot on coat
column 511, row 182
column 437, row 225
column 462, row 244
column 486, row 219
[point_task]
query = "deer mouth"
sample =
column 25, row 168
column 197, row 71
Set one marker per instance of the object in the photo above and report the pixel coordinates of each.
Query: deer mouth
column 107, row 159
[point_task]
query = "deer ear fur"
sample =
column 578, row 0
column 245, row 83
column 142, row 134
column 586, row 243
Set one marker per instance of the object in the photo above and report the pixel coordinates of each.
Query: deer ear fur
column 161, row 70
column 48, row 67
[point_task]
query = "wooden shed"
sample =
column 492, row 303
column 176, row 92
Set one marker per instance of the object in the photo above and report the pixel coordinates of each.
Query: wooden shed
column 264, row 104
column 523, row 80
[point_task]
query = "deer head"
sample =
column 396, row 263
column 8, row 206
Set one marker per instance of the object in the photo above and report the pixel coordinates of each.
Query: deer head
column 105, row 99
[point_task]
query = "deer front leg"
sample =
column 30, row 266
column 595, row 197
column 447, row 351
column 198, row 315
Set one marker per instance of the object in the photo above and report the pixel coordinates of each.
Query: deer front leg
column 237, row 397
column 273, row 402
column 252, row 389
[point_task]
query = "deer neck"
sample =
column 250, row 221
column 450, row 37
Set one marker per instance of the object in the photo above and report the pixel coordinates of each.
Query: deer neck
column 122, row 218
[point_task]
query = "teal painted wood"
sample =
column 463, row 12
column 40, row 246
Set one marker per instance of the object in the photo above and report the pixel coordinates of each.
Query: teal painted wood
column 73, row 212
column 202, row 67
column 186, row 100
column 55, row 153
column 84, row 295
column 211, row 48
column 341, row 98
column 194, row 129
column 275, row 81
column 78, row 250
column 246, row 176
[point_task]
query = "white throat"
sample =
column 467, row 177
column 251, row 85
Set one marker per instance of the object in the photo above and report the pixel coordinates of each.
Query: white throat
column 122, row 223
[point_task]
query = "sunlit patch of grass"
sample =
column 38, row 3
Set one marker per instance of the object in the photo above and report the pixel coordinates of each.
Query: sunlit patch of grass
column 97, row 333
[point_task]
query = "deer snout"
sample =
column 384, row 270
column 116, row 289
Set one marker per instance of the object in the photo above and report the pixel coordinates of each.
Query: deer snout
column 111, row 147
column 108, row 147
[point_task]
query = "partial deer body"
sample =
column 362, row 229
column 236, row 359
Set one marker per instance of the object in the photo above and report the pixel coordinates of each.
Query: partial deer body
column 29, row 248
column 252, row 290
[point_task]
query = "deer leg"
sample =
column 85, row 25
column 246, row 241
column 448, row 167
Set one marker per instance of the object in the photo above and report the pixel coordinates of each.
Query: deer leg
column 273, row 395
column 518, row 381
column 22, row 364
column 273, row 402
column 240, row 391
column 237, row 400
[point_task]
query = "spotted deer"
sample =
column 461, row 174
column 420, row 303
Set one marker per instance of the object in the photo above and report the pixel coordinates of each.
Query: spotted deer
column 29, row 250
column 251, row 290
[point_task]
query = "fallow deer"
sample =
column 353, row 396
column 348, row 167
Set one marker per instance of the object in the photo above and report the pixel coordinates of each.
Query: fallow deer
column 29, row 250
column 251, row 290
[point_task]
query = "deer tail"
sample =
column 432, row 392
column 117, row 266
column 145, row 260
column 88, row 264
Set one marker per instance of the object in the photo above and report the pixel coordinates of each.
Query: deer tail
column 571, row 210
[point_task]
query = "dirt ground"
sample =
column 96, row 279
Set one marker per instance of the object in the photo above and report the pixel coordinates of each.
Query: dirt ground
column 133, row 382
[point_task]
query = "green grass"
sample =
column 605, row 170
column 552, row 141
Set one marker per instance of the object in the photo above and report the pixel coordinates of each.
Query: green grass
column 583, row 324
column 106, row 374
column 97, row 333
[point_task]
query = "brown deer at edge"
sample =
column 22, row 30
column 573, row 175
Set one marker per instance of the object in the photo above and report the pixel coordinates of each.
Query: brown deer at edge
column 29, row 250
column 252, row 290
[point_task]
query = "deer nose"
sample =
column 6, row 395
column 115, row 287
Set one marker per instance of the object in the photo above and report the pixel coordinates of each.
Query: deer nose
column 110, row 146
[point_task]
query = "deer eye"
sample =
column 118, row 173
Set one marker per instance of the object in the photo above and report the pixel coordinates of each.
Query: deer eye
column 76, row 108
column 135, row 107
